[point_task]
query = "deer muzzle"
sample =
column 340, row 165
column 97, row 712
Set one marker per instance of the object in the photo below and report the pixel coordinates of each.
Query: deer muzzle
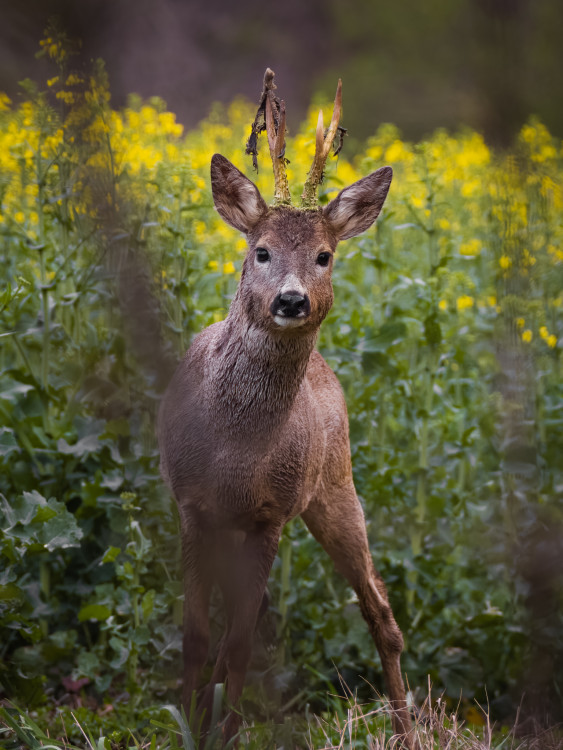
column 290, row 309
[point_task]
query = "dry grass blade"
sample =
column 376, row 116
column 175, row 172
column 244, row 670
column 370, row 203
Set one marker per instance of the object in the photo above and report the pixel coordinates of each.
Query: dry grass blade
column 436, row 727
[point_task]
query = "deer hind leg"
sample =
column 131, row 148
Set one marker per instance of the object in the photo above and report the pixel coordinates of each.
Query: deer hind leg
column 243, row 582
column 337, row 522
column 197, row 589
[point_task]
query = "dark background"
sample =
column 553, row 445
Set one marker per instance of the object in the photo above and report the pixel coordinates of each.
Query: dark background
column 421, row 65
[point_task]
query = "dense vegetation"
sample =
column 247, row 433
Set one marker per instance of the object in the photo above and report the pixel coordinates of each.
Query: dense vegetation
column 446, row 335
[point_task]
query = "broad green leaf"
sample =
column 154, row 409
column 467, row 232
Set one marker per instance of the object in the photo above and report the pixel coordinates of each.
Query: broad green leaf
column 12, row 394
column 111, row 554
column 94, row 612
column 60, row 531
column 22, row 510
column 87, row 444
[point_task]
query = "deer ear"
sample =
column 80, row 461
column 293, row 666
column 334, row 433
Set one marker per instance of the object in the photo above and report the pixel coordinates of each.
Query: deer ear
column 356, row 207
column 236, row 198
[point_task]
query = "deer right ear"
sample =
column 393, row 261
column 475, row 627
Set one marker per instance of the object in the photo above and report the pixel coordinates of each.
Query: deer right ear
column 236, row 198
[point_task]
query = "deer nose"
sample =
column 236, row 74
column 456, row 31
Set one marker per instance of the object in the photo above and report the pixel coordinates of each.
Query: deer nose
column 290, row 304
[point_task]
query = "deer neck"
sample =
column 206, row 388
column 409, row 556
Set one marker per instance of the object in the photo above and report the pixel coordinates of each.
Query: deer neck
column 258, row 374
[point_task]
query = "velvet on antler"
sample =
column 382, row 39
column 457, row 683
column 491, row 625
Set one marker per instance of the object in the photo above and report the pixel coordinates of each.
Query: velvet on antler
column 323, row 145
column 271, row 117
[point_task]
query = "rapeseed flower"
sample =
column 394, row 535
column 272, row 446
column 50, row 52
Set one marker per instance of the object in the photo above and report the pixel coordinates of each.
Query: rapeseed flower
column 471, row 248
column 464, row 302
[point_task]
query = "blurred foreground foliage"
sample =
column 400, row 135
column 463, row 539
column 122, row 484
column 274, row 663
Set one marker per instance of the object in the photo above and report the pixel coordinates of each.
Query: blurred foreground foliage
column 446, row 335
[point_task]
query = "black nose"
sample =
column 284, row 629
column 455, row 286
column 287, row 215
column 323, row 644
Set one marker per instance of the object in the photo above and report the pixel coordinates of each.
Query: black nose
column 290, row 304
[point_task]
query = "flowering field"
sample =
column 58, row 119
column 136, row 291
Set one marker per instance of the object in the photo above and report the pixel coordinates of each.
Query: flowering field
column 446, row 334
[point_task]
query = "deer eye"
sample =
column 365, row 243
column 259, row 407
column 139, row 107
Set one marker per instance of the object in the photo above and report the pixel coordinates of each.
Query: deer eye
column 323, row 259
column 262, row 255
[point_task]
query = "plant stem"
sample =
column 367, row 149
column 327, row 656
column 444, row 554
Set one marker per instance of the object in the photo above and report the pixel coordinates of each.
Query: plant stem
column 285, row 552
column 43, row 271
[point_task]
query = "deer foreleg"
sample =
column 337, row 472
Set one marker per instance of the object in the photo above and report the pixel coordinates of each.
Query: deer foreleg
column 244, row 586
column 197, row 588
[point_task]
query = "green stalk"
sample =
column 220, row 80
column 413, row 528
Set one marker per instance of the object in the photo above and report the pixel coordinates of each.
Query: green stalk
column 462, row 466
column 43, row 272
column 285, row 553
column 46, row 327
column 423, row 446
column 133, row 661
column 175, row 253
column 45, row 586
column 381, row 433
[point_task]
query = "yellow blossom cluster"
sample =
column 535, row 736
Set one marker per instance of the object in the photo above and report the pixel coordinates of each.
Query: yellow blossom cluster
column 477, row 222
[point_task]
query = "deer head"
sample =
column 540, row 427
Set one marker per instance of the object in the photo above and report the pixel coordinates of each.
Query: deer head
column 286, row 284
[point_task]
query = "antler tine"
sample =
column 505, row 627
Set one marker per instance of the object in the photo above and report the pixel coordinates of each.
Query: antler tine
column 275, row 129
column 322, row 149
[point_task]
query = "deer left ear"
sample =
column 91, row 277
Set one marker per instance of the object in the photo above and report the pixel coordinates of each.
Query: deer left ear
column 236, row 198
column 356, row 207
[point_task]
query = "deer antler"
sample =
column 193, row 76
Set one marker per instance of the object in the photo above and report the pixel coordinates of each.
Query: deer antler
column 322, row 148
column 271, row 117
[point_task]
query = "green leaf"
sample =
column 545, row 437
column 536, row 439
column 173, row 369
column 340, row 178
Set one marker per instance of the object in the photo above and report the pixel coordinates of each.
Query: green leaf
column 390, row 333
column 94, row 612
column 147, row 603
column 8, row 442
column 111, row 554
column 87, row 444
column 88, row 663
column 22, row 510
column 60, row 530
column 11, row 394
column 11, row 593
column 180, row 719
column 432, row 330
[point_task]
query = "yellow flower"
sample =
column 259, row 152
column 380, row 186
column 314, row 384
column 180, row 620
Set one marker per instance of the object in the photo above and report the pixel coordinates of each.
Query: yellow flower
column 527, row 335
column 544, row 333
column 213, row 265
column 505, row 262
column 520, row 322
column 464, row 302
column 73, row 80
column 66, row 96
column 471, row 248
column 229, row 267
column 528, row 258
column 552, row 341
column 492, row 301
column 52, row 81
column 555, row 253
column 442, row 304
column 397, row 152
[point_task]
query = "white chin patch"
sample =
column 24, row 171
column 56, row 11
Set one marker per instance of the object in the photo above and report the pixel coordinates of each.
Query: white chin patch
column 284, row 322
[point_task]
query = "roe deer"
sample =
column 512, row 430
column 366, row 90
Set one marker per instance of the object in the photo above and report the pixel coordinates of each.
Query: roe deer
column 253, row 429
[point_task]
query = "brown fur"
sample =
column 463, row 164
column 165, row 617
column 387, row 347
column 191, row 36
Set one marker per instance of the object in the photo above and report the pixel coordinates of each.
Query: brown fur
column 253, row 431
